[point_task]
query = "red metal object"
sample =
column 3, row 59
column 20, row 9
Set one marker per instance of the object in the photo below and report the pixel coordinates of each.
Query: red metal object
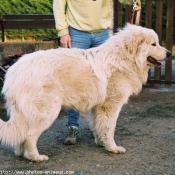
column 132, row 16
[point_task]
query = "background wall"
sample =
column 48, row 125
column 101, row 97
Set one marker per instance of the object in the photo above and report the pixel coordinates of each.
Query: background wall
column 11, row 48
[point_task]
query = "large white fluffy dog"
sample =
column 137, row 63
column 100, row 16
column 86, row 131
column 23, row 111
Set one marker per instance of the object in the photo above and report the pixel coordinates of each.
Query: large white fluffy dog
column 99, row 80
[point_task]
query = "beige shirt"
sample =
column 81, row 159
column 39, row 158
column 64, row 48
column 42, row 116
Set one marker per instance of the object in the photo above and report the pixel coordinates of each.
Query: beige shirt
column 85, row 15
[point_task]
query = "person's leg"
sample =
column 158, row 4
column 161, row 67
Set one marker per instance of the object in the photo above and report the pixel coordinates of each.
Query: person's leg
column 72, row 117
column 80, row 40
column 99, row 38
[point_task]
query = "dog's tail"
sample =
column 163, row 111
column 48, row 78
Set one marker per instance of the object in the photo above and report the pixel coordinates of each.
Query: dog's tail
column 13, row 132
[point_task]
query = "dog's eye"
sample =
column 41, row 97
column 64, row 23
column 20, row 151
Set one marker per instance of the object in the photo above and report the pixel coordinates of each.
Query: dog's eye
column 154, row 44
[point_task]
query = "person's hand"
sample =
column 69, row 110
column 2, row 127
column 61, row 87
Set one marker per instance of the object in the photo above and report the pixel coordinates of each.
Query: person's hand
column 65, row 41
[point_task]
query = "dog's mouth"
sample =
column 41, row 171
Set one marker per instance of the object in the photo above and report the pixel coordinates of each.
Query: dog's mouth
column 154, row 61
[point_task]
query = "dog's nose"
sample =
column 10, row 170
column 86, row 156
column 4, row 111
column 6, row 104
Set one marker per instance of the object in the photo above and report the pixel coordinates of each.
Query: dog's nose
column 168, row 53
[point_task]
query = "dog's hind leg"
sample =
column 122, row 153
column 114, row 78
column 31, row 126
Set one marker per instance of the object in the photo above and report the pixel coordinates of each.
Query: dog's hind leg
column 30, row 147
column 104, row 122
column 41, row 124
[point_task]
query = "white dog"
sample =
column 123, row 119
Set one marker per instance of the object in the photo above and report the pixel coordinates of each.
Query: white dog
column 99, row 80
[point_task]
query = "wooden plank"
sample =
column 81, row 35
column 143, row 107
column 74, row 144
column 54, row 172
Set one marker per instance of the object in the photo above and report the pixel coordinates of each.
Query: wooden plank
column 128, row 11
column 148, row 20
column 30, row 24
column 117, row 15
column 159, row 16
column 29, row 21
column 24, row 16
column 120, row 18
column 148, row 24
column 169, row 40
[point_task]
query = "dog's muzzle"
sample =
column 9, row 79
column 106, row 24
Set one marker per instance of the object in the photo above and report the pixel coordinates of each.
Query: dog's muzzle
column 155, row 62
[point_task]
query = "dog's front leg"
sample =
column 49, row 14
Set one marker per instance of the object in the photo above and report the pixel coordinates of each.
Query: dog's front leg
column 104, row 122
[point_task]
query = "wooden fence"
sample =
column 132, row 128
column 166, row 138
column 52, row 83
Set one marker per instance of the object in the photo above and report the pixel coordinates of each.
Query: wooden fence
column 156, row 14
column 153, row 16
column 26, row 21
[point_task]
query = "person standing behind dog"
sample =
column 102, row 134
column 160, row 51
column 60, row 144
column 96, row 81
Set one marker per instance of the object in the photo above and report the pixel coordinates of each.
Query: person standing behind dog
column 81, row 24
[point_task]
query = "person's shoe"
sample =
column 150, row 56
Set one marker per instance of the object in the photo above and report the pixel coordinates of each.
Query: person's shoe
column 71, row 138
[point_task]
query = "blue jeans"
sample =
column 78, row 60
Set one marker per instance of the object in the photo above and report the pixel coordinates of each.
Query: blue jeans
column 84, row 40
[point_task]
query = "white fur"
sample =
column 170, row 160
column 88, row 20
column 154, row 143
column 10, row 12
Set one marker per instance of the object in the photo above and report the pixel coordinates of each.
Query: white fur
column 99, row 80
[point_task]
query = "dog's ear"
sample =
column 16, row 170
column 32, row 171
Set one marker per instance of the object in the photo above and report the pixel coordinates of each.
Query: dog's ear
column 132, row 41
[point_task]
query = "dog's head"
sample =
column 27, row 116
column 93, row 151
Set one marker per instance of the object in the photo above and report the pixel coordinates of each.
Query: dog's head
column 156, row 53
column 143, row 45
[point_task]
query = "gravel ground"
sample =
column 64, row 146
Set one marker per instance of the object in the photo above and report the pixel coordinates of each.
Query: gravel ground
column 146, row 128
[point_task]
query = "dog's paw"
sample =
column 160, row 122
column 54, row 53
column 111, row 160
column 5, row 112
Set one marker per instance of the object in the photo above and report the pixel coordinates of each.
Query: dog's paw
column 41, row 158
column 119, row 150
column 36, row 158
column 98, row 142
column 116, row 149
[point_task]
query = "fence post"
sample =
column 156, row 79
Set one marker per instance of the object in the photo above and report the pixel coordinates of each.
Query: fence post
column 169, row 41
column 2, row 21
column 2, row 27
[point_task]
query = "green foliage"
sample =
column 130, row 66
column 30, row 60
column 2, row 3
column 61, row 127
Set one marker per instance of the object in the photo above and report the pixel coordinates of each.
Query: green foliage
column 28, row 7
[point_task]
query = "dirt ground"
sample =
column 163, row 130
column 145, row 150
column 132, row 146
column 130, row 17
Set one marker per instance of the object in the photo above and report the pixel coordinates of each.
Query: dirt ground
column 146, row 128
